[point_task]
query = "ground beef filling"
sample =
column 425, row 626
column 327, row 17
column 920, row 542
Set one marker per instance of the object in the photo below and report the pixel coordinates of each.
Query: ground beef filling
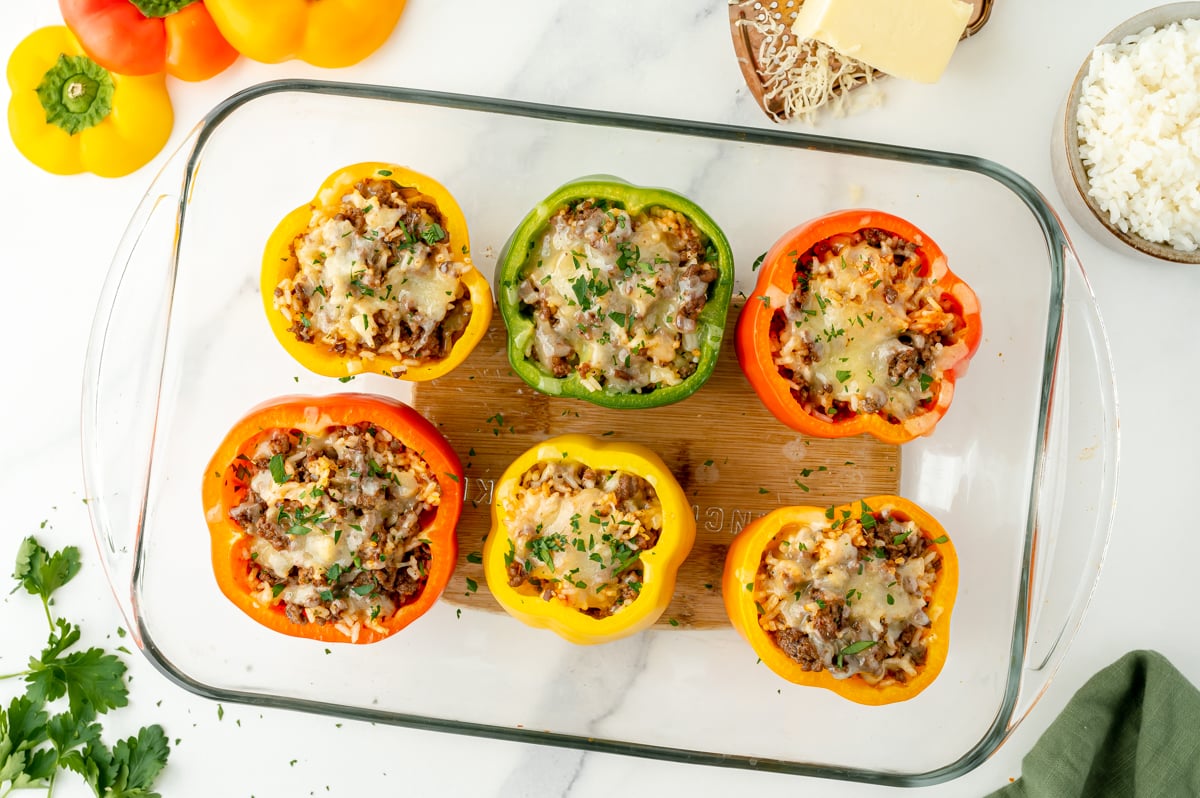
column 376, row 276
column 577, row 533
column 864, row 330
column 851, row 598
column 333, row 524
column 615, row 298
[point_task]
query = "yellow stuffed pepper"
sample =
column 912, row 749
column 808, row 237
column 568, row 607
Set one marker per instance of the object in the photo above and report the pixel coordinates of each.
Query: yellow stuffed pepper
column 68, row 114
column 855, row 599
column 325, row 33
column 375, row 275
column 586, row 538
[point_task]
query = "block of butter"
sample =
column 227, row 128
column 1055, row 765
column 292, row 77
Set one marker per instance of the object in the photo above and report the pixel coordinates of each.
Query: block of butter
column 911, row 39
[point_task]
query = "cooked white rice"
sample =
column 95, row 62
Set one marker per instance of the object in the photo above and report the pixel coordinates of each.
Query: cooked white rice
column 1139, row 133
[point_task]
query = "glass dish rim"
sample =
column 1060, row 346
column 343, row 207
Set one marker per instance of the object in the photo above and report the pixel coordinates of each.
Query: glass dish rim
column 1056, row 243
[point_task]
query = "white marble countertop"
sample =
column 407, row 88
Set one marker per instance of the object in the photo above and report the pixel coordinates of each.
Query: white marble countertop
column 670, row 58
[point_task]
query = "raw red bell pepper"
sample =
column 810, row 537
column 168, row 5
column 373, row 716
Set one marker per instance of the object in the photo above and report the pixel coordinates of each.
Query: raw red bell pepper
column 872, row 342
column 317, row 507
column 144, row 37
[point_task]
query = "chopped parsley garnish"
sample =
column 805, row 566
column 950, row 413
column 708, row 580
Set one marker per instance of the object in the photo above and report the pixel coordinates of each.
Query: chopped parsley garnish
column 277, row 471
column 433, row 233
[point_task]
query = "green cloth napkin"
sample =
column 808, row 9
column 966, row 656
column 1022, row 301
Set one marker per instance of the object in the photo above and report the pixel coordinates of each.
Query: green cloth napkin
column 1133, row 729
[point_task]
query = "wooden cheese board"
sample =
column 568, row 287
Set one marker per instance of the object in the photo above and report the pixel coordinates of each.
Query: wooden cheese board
column 734, row 460
column 764, row 47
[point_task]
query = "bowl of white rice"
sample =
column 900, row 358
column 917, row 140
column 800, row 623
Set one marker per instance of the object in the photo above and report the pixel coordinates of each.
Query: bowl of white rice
column 1126, row 152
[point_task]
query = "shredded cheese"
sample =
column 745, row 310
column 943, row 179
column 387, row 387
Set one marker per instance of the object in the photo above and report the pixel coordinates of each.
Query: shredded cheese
column 800, row 76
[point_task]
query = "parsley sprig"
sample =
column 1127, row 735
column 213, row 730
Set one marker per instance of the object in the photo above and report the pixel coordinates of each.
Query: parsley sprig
column 35, row 746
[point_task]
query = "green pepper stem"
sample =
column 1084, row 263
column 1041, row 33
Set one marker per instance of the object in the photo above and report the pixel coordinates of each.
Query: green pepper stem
column 160, row 8
column 76, row 93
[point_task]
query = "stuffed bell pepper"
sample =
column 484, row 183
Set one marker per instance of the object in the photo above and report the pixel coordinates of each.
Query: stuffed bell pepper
column 375, row 274
column 586, row 538
column 615, row 294
column 333, row 518
column 855, row 599
column 145, row 37
column 857, row 325
column 68, row 114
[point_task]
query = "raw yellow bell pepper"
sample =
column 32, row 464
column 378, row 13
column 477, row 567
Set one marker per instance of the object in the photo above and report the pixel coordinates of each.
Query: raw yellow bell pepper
column 325, row 33
column 279, row 263
column 594, row 537
column 69, row 115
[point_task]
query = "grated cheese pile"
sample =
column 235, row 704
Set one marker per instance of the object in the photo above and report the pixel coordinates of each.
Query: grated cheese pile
column 800, row 76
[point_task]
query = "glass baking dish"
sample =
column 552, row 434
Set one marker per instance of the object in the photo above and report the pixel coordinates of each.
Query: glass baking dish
column 1021, row 470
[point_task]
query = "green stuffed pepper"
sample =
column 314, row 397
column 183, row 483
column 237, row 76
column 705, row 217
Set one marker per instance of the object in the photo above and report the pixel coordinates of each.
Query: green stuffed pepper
column 615, row 294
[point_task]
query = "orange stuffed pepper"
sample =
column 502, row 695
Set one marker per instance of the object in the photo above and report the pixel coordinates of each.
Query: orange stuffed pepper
column 333, row 518
column 858, row 325
column 855, row 599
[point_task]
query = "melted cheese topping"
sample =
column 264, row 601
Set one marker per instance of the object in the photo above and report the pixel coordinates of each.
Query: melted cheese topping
column 615, row 297
column 852, row 599
column 376, row 276
column 333, row 524
column 864, row 332
column 577, row 534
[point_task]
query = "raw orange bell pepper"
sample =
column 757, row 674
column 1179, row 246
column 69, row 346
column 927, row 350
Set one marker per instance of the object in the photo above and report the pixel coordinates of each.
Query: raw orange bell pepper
column 325, row 33
column 68, row 114
column 313, row 508
column 821, row 600
column 144, row 37
column 280, row 264
column 882, row 350
column 569, row 553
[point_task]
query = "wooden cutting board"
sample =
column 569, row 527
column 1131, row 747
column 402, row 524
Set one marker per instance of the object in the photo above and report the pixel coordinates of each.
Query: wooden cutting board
column 732, row 458
column 774, row 20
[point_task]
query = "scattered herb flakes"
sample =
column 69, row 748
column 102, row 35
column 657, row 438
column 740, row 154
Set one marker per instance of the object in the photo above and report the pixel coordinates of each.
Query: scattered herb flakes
column 475, row 557
column 472, row 585
column 941, row 539
column 220, row 712
column 673, row 622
